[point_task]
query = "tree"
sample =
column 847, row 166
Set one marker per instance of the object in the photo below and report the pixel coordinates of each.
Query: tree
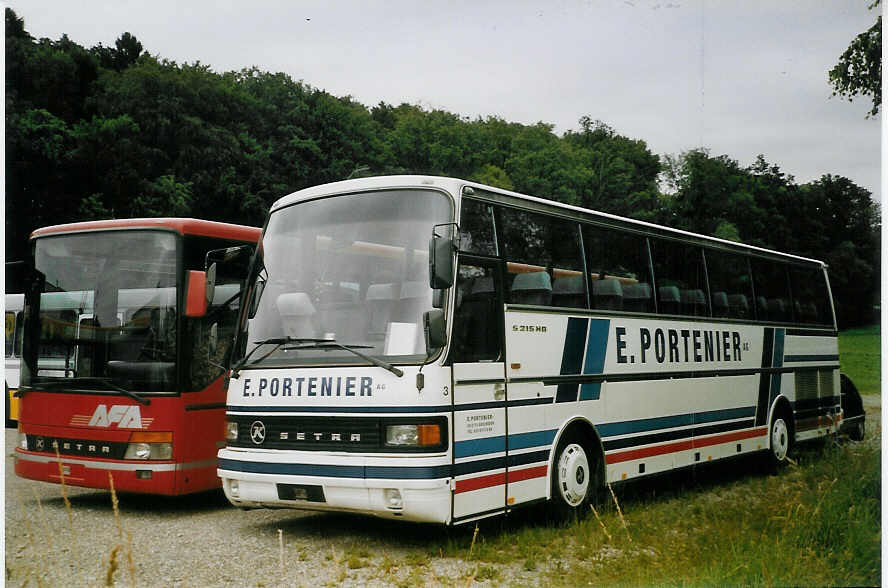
column 125, row 52
column 859, row 70
column 709, row 193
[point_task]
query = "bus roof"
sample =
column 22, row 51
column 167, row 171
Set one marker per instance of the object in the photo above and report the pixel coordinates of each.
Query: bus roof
column 184, row 226
column 455, row 185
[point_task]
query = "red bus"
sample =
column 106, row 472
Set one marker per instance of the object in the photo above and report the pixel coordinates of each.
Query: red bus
column 125, row 340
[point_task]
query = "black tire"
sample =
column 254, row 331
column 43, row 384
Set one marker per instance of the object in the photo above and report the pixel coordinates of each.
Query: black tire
column 858, row 431
column 576, row 477
column 852, row 407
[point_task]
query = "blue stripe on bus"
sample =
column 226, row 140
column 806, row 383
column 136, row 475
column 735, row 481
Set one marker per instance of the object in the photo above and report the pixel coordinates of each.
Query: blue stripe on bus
column 679, row 420
column 532, row 439
column 392, row 409
column 479, row 446
column 572, row 357
column 761, row 415
column 302, row 469
column 496, row 444
column 480, row 465
column 799, row 358
column 596, row 351
column 776, row 377
column 364, row 409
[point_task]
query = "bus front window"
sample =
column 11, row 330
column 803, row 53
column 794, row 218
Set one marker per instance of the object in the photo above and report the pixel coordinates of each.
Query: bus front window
column 351, row 268
column 107, row 312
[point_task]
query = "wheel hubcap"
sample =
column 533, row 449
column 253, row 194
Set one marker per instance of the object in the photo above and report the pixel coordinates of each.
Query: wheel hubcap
column 573, row 474
column 779, row 439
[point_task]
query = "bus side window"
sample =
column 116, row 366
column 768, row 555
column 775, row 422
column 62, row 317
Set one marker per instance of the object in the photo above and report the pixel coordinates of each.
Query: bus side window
column 544, row 260
column 810, row 295
column 771, row 283
column 476, row 332
column 731, row 284
column 618, row 270
column 10, row 333
column 681, row 279
column 19, row 332
column 476, row 232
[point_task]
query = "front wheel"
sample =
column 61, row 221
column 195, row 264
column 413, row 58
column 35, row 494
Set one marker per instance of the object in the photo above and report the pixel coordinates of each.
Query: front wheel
column 576, row 478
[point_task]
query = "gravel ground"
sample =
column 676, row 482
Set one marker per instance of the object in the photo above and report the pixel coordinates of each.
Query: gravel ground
column 202, row 541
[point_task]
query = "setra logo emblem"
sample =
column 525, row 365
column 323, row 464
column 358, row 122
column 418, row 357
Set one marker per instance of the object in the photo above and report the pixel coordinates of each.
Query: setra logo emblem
column 257, row 432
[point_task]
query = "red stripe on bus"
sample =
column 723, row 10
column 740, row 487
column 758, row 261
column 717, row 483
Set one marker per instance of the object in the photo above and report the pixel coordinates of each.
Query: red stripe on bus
column 683, row 445
column 482, row 482
column 528, row 474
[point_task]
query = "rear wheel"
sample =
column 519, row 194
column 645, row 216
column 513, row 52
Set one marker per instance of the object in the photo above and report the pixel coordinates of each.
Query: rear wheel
column 576, row 478
column 780, row 439
column 858, row 431
column 852, row 408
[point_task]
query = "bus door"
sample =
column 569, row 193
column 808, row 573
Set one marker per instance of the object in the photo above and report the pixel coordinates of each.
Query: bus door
column 479, row 390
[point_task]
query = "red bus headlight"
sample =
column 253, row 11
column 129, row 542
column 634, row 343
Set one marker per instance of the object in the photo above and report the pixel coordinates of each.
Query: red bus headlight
column 150, row 446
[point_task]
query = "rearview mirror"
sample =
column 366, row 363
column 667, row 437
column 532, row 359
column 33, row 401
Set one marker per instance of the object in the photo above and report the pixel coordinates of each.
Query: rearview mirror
column 435, row 331
column 440, row 262
column 196, row 303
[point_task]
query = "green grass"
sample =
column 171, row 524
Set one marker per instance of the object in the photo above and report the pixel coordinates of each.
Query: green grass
column 815, row 523
column 859, row 350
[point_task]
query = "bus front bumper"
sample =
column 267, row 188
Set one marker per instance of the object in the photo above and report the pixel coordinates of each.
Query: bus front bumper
column 143, row 477
column 271, row 480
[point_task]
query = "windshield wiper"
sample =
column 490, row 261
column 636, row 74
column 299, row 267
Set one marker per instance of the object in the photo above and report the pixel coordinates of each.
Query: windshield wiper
column 332, row 344
column 276, row 341
column 66, row 382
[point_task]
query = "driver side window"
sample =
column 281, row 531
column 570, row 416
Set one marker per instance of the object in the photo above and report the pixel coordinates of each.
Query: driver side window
column 476, row 328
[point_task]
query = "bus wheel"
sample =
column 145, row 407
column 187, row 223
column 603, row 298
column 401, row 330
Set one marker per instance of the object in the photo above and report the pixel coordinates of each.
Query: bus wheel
column 575, row 479
column 780, row 440
column 858, row 432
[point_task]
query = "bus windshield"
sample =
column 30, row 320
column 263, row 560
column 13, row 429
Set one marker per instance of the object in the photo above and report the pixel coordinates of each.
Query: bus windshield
column 350, row 268
column 107, row 313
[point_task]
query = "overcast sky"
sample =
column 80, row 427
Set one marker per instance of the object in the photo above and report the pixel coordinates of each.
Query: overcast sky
column 738, row 77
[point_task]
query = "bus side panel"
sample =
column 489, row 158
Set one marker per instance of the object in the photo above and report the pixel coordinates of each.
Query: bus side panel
column 812, row 385
column 479, row 440
column 204, row 422
column 542, row 348
column 662, row 394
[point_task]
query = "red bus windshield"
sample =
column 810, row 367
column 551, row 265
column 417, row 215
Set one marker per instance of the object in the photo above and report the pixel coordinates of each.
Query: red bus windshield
column 109, row 316
column 108, row 311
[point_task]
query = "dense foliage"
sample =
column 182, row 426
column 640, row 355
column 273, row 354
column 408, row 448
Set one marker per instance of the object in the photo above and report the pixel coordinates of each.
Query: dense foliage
column 859, row 70
column 117, row 132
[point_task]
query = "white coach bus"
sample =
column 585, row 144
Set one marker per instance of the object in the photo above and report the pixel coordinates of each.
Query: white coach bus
column 543, row 351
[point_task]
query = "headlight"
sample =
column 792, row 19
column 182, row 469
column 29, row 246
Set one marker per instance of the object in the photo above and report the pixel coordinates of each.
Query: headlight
column 149, row 446
column 23, row 440
column 230, row 431
column 413, row 435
